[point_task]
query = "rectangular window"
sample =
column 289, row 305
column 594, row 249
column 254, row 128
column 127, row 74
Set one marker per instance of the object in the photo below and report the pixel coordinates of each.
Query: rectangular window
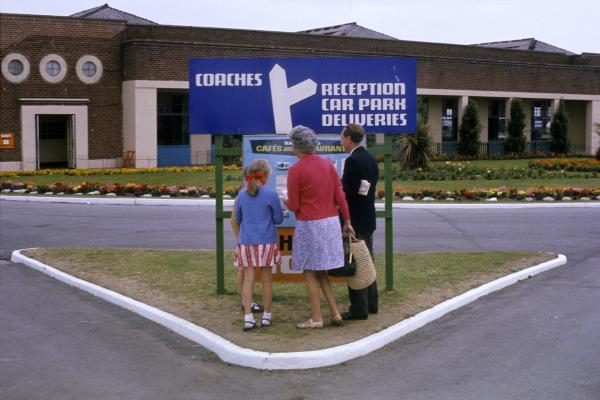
column 496, row 120
column 449, row 120
column 172, row 117
column 540, row 120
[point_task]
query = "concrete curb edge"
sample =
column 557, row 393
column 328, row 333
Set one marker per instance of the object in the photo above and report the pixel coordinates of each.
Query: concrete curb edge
column 120, row 201
column 138, row 201
column 234, row 354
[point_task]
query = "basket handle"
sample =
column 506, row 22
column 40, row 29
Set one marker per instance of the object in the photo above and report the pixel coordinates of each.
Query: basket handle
column 350, row 238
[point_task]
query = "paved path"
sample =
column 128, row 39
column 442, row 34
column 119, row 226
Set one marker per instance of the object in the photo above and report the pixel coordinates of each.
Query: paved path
column 535, row 340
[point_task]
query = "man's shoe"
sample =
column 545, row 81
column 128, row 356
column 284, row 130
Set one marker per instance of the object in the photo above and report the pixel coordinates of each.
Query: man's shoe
column 347, row 316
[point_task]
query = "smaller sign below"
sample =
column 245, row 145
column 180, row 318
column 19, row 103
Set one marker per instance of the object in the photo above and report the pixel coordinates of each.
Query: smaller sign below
column 283, row 272
column 7, row 140
column 277, row 151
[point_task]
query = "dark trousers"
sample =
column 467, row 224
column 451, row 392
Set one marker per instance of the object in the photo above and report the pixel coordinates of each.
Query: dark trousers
column 364, row 301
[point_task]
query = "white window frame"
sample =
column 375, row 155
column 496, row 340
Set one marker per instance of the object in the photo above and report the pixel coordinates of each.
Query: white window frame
column 63, row 68
column 88, row 80
column 15, row 78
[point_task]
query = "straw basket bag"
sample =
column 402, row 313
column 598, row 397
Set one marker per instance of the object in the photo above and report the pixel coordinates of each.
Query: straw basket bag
column 365, row 269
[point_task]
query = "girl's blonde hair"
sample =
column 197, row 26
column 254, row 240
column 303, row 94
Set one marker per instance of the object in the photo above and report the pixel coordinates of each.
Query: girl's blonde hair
column 257, row 173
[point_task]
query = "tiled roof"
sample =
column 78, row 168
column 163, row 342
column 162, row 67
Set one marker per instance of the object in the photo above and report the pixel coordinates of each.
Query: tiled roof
column 107, row 12
column 525, row 44
column 351, row 29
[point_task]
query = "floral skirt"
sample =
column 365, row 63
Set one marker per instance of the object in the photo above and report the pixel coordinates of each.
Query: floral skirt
column 257, row 255
column 318, row 245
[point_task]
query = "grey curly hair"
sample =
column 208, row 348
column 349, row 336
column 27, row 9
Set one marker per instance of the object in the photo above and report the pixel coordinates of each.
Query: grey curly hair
column 303, row 139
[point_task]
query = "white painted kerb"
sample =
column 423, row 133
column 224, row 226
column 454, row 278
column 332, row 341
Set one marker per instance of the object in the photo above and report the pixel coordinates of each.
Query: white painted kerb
column 193, row 202
column 234, row 354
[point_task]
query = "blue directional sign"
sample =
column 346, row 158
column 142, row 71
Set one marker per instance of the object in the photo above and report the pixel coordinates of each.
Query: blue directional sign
column 271, row 95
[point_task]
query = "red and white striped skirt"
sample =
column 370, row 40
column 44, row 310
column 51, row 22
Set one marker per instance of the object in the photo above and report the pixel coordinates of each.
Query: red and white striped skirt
column 257, row 255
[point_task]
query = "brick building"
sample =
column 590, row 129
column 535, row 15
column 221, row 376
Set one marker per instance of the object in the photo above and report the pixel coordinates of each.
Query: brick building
column 82, row 91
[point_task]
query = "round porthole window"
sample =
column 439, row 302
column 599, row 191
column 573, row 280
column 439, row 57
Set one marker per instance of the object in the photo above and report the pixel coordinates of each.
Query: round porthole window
column 15, row 67
column 89, row 69
column 53, row 68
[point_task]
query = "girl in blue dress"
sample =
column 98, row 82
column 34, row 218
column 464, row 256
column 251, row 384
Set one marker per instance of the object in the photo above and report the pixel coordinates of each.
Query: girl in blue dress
column 257, row 211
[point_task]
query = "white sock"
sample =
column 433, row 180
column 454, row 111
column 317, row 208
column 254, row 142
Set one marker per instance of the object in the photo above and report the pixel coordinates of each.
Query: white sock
column 266, row 315
column 249, row 318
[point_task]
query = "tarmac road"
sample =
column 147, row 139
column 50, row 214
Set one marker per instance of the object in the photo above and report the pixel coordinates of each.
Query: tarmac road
column 539, row 339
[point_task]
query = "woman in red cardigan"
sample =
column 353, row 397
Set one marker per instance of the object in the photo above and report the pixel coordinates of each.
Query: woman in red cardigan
column 315, row 194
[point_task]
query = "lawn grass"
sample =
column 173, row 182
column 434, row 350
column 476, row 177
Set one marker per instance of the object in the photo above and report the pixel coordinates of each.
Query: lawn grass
column 184, row 283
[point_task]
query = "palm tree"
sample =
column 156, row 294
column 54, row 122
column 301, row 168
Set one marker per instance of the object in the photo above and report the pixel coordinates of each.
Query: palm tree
column 416, row 150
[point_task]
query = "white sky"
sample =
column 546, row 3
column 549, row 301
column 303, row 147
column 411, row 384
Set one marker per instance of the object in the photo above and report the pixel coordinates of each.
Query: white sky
column 572, row 25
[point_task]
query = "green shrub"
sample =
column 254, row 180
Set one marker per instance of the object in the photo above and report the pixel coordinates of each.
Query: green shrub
column 515, row 141
column 559, row 130
column 597, row 129
column 469, row 131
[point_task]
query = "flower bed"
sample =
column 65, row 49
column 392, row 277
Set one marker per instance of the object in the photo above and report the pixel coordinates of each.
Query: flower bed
column 459, row 171
column 142, row 189
column 562, row 164
column 535, row 193
column 499, row 156
column 127, row 189
column 121, row 171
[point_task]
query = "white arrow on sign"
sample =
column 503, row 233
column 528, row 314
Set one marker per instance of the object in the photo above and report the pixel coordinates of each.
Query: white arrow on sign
column 283, row 97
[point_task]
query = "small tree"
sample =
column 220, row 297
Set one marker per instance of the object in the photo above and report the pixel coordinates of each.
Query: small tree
column 416, row 150
column 559, row 131
column 515, row 141
column 469, row 131
column 422, row 110
column 597, row 129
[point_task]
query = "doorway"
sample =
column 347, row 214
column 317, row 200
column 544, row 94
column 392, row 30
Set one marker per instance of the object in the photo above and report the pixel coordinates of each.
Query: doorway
column 55, row 141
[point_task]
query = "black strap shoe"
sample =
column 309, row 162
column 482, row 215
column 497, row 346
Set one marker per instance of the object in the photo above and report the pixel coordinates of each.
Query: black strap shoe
column 347, row 316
